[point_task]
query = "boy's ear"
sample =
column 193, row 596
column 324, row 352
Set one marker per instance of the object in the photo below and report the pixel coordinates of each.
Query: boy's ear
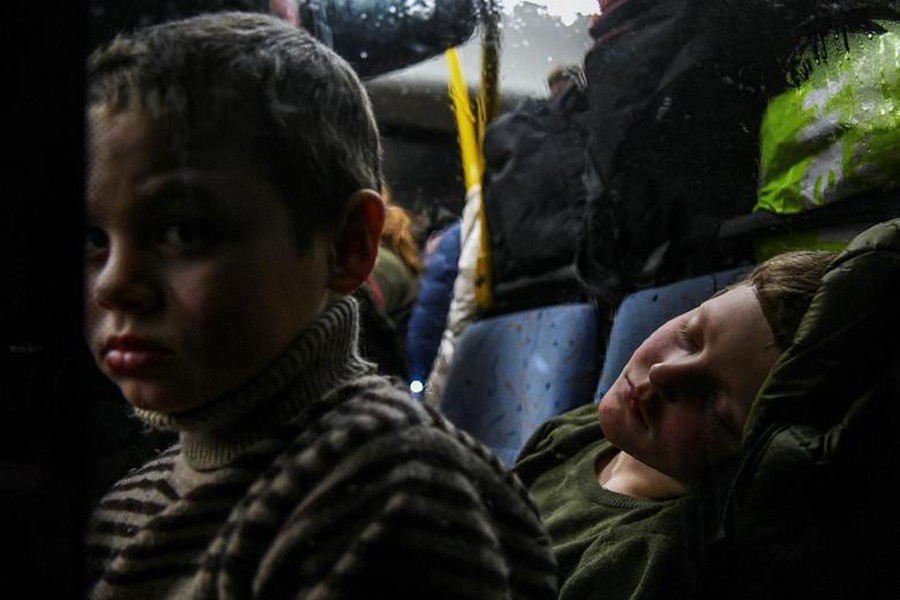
column 356, row 242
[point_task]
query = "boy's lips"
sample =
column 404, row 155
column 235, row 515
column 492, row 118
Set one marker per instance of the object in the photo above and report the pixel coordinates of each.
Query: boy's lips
column 131, row 355
column 634, row 401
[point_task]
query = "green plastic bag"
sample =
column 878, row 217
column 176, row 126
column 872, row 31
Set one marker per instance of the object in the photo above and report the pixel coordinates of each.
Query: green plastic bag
column 838, row 133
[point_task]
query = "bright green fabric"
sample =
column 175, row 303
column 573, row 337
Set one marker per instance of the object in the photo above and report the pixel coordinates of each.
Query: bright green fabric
column 832, row 239
column 838, row 133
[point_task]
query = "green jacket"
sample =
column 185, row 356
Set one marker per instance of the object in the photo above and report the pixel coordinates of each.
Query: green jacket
column 813, row 512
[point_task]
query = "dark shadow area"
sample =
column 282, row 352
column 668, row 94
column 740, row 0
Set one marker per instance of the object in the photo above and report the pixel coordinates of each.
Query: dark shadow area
column 42, row 429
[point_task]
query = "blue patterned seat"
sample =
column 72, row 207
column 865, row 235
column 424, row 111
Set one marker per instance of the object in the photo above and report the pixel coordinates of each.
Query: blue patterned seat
column 511, row 373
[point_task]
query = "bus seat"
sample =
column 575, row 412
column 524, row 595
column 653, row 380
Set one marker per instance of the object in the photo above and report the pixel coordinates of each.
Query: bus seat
column 642, row 312
column 512, row 372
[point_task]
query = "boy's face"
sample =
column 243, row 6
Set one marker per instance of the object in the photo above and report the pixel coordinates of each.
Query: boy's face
column 193, row 276
column 681, row 401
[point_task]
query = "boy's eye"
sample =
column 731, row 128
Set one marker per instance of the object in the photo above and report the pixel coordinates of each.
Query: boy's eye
column 190, row 234
column 685, row 337
column 95, row 240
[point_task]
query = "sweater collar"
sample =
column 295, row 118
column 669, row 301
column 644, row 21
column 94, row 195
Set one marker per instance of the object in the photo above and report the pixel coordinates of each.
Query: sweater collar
column 322, row 357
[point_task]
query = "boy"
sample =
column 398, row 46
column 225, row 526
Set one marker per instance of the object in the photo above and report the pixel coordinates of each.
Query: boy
column 230, row 213
column 620, row 485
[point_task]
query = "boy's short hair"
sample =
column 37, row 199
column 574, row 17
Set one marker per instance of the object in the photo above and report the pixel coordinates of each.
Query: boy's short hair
column 252, row 79
column 785, row 286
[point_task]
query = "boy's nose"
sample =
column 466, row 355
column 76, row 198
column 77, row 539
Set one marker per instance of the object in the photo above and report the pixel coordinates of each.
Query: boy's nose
column 124, row 282
column 675, row 379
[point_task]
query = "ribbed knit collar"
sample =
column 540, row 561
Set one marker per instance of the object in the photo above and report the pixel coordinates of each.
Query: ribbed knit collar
column 322, row 357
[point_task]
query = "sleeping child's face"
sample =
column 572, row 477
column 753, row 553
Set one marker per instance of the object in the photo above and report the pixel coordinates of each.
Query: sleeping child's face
column 681, row 401
column 194, row 279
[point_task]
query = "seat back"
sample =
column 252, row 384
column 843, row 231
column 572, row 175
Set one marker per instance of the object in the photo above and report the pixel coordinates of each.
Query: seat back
column 641, row 313
column 511, row 373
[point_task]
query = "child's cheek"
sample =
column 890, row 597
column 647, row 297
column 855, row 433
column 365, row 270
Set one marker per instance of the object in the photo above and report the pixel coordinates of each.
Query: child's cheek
column 686, row 442
column 208, row 304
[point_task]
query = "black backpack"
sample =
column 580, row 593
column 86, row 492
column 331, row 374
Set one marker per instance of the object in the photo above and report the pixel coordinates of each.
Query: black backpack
column 534, row 201
column 677, row 91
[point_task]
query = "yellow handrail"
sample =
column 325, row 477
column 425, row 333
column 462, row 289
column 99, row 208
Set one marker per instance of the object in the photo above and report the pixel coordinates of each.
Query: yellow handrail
column 471, row 134
column 469, row 147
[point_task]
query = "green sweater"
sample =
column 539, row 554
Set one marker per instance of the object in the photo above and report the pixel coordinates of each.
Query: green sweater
column 318, row 480
column 607, row 545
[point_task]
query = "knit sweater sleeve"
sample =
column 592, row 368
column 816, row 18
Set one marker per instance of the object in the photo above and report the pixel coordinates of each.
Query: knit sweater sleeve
column 393, row 502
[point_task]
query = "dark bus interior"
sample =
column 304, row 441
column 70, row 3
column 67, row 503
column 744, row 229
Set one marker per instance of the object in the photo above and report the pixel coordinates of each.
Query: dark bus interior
column 519, row 368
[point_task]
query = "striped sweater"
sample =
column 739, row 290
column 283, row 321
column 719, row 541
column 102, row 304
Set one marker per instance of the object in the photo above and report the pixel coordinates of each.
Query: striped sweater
column 318, row 480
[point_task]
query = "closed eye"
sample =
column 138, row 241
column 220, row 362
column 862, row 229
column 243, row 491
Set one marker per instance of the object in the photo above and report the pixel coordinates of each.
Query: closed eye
column 685, row 337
